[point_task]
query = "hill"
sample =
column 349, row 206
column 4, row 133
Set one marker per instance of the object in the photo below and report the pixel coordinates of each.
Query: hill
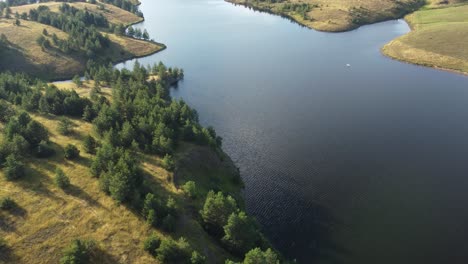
column 41, row 47
column 335, row 15
column 114, row 14
column 113, row 170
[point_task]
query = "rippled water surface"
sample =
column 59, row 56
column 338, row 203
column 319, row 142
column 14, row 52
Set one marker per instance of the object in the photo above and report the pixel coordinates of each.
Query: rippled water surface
column 360, row 164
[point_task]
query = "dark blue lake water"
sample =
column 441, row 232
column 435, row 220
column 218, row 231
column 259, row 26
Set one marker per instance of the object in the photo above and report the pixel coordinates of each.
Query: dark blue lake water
column 359, row 164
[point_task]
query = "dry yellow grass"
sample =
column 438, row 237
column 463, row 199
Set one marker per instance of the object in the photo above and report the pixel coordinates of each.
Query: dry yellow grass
column 123, row 48
column 439, row 38
column 114, row 14
column 334, row 15
column 85, row 89
column 26, row 55
column 48, row 218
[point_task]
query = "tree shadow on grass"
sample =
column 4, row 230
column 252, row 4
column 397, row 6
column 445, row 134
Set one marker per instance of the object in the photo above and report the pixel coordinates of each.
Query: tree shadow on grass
column 6, row 225
column 100, row 256
column 19, row 211
column 77, row 135
column 34, row 181
column 14, row 60
column 82, row 195
column 7, row 255
column 85, row 162
column 7, row 220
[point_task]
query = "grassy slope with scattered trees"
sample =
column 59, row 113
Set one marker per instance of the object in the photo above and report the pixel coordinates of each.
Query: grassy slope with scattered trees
column 23, row 52
column 110, row 169
column 438, row 38
column 335, row 15
column 117, row 172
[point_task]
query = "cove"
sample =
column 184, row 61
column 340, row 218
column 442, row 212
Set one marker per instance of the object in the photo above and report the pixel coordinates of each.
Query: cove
column 359, row 164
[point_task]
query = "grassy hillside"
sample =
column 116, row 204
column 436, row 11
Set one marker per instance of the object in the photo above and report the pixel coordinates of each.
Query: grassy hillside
column 47, row 218
column 438, row 38
column 114, row 14
column 335, row 15
column 25, row 54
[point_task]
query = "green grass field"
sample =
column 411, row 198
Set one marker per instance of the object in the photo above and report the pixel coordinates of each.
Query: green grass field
column 438, row 38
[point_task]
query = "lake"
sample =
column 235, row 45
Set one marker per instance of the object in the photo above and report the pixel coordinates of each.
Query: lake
column 359, row 164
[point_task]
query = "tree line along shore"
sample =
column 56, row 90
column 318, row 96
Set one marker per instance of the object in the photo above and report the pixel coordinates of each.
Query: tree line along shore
column 56, row 40
column 108, row 168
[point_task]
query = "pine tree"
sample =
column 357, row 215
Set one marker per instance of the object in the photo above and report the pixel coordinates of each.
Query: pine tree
column 61, row 180
column 14, row 169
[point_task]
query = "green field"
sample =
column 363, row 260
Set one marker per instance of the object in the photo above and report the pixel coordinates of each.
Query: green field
column 438, row 38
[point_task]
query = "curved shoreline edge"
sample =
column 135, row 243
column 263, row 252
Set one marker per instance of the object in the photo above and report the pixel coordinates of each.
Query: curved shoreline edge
column 389, row 50
column 386, row 53
column 384, row 49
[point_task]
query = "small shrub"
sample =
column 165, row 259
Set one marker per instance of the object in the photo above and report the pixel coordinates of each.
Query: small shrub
column 171, row 206
column 77, row 80
column 151, row 218
column 7, row 203
column 89, row 145
column 171, row 251
column 3, row 244
column 168, row 223
column 257, row 256
column 78, row 252
column 168, row 163
column 152, row 243
column 14, row 169
column 43, row 150
column 190, row 189
column 197, row 258
column 65, row 126
column 61, row 180
column 71, row 152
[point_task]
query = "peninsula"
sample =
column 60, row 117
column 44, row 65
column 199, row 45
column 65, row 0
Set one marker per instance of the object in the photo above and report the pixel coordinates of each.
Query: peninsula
column 439, row 28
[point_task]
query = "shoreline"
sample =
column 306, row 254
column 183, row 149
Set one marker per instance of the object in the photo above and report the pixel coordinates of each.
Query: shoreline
column 349, row 27
column 387, row 51
column 425, row 65
column 114, row 63
column 118, row 61
column 354, row 27
column 146, row 48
